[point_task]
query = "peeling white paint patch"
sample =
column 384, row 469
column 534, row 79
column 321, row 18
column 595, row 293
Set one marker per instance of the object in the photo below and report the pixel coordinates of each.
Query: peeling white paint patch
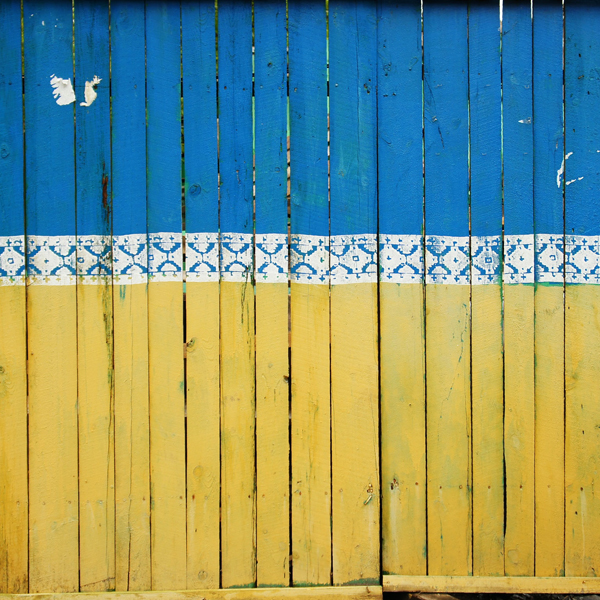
column 526, row 121
column 561, row 171
column 63, row 90
column 574, row 180
column 90, row 91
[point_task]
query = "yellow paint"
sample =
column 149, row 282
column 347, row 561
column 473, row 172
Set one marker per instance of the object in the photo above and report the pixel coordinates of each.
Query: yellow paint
column 519, row 421
column 167, row 435
column 13, row 441
column 272, row 435
column 355, row 433
column 311, row 469
column 203, row 435
column 403, row 466
column 238, row 545
column 132, row 439
column 582, row 440
column 549, row 431
column 96, row 438
column 315, row 593
column 448, row 354
column 490, row 585
column 488, row 430
column 53, row 493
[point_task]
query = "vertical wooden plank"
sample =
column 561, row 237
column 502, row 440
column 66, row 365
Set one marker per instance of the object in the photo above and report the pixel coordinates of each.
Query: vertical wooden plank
column 354, row 310
column 548, row 154
column 271, row 274
column 518, row 289
column 238, row 481
column 94, row 299
column 202, row 293
column 402, row 341
column 51, row 298
column 13, row 307
column 486, row 292
column 582, row 218
column 165, row 297
column 130, row 298
column 447, row 291
column 310, row 437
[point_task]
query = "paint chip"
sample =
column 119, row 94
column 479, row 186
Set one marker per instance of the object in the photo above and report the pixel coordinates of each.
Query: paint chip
column 63, row 90
column 90, row 91
column 561, row 171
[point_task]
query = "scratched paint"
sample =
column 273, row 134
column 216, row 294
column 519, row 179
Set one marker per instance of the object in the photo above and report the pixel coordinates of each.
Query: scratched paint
column 561, row 171
column 62, row 90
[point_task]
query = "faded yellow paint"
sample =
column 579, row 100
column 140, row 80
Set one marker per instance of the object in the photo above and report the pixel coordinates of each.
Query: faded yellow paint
column 311, row 469
column 132, row 439
column 167, row 435
column 53, row 493
column 448, row 354
column 488, row 430
column 272, row 435
column 582, row 439
column 238, row 542
column 549, row 431
column 491, row 585
column 13, row 441
column 355, row 433
column 403, row 465
column 519, row 421
column 96, row 437
column 203, row 434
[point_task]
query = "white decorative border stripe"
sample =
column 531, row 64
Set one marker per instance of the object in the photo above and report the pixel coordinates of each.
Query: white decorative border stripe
column 353, row 258
column 447, row 260
column 583, row 259
column 165, row 256
column 309, row 258
column 485, row 259
column 51, row 260
column 130, row 259
column 518, row 259
column 202, row 257
column 236, row 257
column 549, row 258
column 94, row 259
column 271, row 258
column 12, row 260
column 401, row 258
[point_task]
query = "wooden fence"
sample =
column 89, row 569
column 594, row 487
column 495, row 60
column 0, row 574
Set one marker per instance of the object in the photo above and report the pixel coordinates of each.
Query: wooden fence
column 362, row 348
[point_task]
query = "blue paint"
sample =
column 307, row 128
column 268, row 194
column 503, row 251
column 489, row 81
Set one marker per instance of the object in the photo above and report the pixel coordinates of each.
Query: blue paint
column 518, row 117
column 270, row 84
column 582, row 108
column 200, row 116
column 128, row 86
column 353, row 116
column 49, row 128
column 92, row 128
column 486, row 119
column 400, row 118
column 235, row 116
column 446, row 119
column 308, row 117
column 163, row 96
column 12, row 201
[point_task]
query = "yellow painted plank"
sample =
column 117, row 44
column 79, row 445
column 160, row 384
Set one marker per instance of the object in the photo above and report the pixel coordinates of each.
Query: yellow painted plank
column 272, row 435
column 203, row 434
column 96, row 438
column 311, row 467
column 167, row 435
column 238, row 542
column 582, row 439
column 448, row 429
column 498, row 585
column 13, row 441
column 313, row 593
column 53, row 493
column 549, row 431
column 488, row 430
column 519, row 421
column 355, row 433
column 403, row 464
column 132, row 439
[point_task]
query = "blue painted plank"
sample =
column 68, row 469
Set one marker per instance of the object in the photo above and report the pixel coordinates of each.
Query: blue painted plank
column 308, row 117
column 235, row 116
column 353, row 117
column 270, row 84
column 12, row 201
column 400, row 118
column 128, row 82
column 49, row 127
column 200, row 116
